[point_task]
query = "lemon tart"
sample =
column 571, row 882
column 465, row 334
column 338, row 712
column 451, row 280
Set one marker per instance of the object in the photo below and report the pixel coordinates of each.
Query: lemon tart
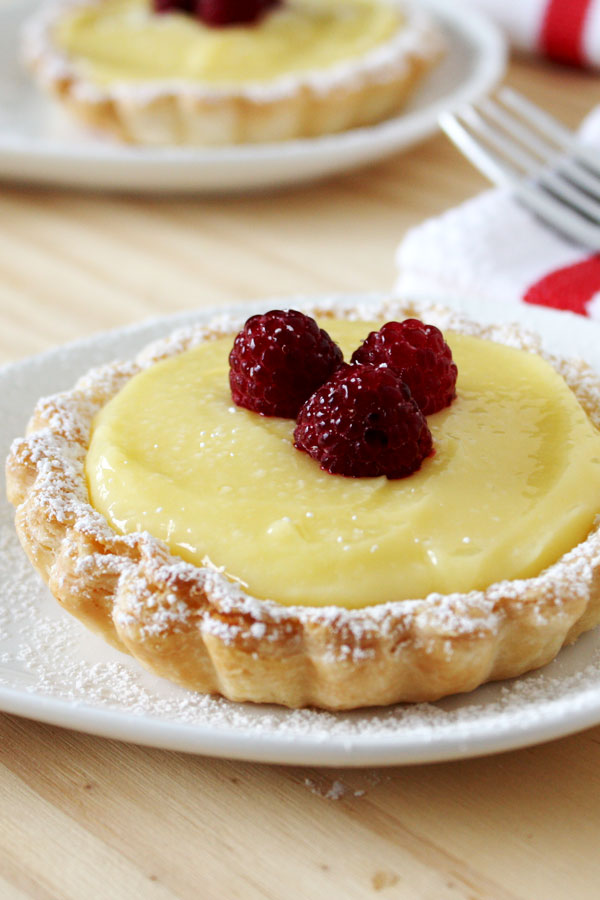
column 191, row 533
column 305, row 68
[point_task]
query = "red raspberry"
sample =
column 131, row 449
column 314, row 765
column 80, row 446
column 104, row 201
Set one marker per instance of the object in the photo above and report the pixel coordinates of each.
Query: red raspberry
column 168, row 6
column 218, row 13
column 278, row 360
column 420, row 355
column 364, row 423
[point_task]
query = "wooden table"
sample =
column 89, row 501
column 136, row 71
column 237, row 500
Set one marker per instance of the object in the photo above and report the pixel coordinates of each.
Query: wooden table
column 82, row 817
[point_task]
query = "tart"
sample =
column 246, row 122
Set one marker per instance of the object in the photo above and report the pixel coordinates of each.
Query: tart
column 305, row 68
column 261, row 606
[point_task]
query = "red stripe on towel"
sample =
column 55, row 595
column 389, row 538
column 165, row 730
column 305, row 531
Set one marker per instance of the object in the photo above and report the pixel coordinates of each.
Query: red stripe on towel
column 571, row 287
column 561, row 36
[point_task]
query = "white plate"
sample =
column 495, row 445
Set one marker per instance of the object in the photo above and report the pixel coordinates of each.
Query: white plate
column 53, row 670
column 38, row 145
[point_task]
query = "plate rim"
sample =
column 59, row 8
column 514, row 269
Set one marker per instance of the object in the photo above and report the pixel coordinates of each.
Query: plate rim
column 348, row 751
column 555, row 718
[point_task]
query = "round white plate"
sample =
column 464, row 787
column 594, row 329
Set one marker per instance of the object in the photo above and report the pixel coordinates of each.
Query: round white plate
column 38, row 145
column 53, row 670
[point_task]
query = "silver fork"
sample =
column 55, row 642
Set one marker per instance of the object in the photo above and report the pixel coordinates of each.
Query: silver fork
column 519, row 146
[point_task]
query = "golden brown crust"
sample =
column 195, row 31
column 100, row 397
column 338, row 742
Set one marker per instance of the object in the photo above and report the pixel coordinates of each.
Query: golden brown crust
column 197, row 628
column 158, row 114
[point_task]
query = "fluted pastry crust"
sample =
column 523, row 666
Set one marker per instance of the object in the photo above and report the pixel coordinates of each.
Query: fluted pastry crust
column 358, row 93
column 199, row 628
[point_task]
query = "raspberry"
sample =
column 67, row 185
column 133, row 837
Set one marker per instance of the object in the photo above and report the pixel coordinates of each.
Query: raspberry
column 278, row 360
column 420, row 355
column 364, row 423
column 218, row 13
column 167, row 6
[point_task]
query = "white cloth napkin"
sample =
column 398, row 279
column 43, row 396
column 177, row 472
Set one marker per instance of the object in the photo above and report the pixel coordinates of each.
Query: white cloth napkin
column 566, row 30
column 490, row 247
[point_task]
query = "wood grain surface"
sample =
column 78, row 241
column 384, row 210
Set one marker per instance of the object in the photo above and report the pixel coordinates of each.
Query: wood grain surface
column 83, row 817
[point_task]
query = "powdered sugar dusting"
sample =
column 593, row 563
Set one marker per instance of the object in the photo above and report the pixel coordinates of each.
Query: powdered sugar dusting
column 44, row 651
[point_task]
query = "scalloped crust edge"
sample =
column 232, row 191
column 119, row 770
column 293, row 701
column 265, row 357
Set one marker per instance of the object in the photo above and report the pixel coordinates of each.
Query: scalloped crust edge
column 350, row 96
column 198, row 628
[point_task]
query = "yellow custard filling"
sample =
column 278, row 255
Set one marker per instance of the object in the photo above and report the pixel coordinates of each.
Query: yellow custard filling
column 124, row 40
column 513, row 485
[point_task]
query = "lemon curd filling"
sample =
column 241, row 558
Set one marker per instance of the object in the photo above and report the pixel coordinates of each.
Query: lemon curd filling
column 123, row 40
column 513, row 485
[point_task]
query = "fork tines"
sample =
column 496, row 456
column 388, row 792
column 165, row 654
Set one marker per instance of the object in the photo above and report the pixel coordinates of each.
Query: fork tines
column 519, row 146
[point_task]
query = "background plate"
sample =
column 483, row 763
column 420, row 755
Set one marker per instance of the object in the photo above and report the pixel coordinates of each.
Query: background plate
column 53, row 670
column 38, row 145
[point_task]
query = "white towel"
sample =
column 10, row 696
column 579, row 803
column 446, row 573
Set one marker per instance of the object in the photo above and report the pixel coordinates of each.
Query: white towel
column 491, row 247
column 565, row 30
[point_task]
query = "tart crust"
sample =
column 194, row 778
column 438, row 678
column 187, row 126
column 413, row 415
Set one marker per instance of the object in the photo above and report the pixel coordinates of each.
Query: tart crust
column 360, row 92
column 199, row 628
